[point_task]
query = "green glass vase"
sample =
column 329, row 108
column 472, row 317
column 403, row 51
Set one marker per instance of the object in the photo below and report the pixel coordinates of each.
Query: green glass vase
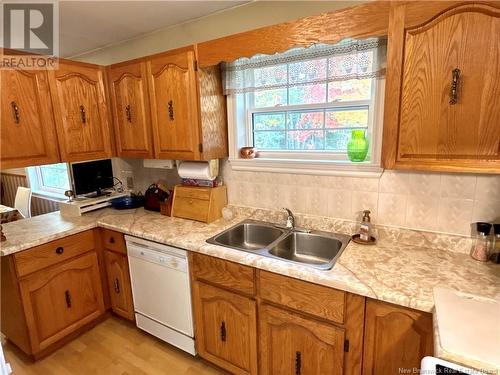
column 357, row 147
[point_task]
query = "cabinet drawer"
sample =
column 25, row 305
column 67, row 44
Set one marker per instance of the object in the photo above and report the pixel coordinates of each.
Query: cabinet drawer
column 302, row 296
column 51, row 253
column 114, row 241
column 191, row 208
column 193, row 192
column 226, row 274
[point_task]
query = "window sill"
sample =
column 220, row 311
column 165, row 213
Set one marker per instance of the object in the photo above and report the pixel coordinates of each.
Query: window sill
column 317, row 167
column 48, row 195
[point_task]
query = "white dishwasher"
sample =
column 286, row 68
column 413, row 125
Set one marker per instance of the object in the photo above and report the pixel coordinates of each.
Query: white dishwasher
column 161, row 291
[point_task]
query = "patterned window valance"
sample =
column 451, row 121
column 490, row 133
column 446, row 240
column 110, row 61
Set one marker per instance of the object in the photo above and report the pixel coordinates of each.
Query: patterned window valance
column 320, row 63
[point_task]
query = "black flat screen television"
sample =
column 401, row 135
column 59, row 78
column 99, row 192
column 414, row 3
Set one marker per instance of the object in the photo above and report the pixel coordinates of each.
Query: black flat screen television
column 92, row 177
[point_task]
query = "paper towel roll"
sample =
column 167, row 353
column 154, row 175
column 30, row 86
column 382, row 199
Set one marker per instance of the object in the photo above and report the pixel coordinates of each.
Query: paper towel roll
column 199, row 170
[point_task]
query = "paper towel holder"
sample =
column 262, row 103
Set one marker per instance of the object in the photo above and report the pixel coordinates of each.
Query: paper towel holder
column 213, row 165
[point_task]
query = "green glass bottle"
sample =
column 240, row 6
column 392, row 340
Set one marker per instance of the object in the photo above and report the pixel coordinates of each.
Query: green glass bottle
column 357, row 147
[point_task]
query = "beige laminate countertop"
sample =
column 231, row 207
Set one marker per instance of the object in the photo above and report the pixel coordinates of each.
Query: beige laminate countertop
column 391, row 272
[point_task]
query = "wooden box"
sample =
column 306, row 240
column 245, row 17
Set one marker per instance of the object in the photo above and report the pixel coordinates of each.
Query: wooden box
column 199, row 203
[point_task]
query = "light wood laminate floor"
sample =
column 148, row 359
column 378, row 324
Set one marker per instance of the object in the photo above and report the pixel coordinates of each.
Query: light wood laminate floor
column 112, row 347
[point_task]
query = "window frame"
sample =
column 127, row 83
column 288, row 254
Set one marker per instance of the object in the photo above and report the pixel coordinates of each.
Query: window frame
column 240, row 133
column 35, row 179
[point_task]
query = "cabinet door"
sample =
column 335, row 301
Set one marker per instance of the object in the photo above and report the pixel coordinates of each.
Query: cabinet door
column 395, row 338
column 441, row 128
column 292, row 344
column 80, row 110
column 226, row 329
column 28, row 133
column 61, row 299
column 120, row 290
column 174, row 106
column 131, row 111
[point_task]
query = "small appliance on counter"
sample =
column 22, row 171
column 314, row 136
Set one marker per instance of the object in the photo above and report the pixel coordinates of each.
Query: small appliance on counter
column 155, row 195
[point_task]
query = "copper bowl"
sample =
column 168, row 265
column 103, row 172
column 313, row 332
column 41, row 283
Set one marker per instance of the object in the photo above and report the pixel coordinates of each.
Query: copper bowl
column 248, row 152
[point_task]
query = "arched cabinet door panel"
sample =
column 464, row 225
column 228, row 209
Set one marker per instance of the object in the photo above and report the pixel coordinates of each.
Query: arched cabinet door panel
column 80, row 111
column 395, row 338
column 174, row 106
column 292, row 344
column 28, row 133
column 131, row 111
column 449, row 91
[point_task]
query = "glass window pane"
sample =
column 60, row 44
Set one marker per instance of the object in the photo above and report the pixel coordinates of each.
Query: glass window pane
column 305, row 140
column 269, row 140
column 307, row 94
column 269, row 76
column 55, row 176
column 305, row 120
column 269, row 121
column 269, row 98
column 307, row 71
column 354, row 89
column 336, row 140
column 347, row 118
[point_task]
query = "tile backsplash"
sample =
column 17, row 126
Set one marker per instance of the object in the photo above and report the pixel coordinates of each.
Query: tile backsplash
column 440, row 202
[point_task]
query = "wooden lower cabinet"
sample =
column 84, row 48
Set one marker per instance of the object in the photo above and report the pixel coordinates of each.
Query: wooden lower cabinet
column 293, row 344
column 61, row 299
column 396, row 338
column 226, row 328
column 120, row 290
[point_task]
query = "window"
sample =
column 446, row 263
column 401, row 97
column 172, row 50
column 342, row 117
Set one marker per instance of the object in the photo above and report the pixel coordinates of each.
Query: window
column 51, row 179
column 305, row 103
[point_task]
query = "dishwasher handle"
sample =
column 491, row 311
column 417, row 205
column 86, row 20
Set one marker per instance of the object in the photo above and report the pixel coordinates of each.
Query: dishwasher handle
column 163, row 259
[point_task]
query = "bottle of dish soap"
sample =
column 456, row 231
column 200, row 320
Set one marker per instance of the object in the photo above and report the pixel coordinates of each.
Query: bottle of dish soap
column 365, row 231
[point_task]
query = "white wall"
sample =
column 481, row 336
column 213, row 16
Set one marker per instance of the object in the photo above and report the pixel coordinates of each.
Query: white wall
column 239, row 19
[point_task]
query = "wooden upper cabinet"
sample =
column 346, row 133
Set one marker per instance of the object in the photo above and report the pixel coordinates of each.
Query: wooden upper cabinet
column 395, row 338
column 80, row 111
column 174, row 109
column 293, row 344
column 428, row 124
column 188, row 110
column 131, row 111
column 28, row 133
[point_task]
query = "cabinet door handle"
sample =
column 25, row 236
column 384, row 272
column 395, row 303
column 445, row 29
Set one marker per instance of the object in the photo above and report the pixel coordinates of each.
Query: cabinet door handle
column 83, row 115
column 455, row 75
column 116, row 284
column 60, row 250
column 15, row 112
column 111, row 240
column 67, row 296
column 223, row 331
column 298, row 363
column 128, row 113
column 171, row 110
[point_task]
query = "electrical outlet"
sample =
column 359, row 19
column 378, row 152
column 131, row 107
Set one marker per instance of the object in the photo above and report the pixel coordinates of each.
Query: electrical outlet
column 130, row 183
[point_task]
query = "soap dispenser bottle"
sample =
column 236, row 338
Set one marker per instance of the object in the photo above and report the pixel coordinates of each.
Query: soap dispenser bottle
column 365, row 231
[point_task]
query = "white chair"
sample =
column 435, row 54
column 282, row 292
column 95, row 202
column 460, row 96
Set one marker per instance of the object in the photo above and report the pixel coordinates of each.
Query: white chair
column 23, row 201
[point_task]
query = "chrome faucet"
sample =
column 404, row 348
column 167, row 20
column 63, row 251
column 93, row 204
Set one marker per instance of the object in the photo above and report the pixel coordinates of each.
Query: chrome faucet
column 290, row 220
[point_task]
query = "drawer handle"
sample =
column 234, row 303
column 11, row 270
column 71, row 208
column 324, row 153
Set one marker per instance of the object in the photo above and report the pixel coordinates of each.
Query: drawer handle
column 223, row 331
column 298, row 363
column 60, row 250
column 67, row 296
column 116, row 284
column 454, row 86
column 15, row 112
column 111, row 240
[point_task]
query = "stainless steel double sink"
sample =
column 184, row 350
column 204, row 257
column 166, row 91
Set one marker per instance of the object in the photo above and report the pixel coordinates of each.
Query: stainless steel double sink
column 315, row 248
